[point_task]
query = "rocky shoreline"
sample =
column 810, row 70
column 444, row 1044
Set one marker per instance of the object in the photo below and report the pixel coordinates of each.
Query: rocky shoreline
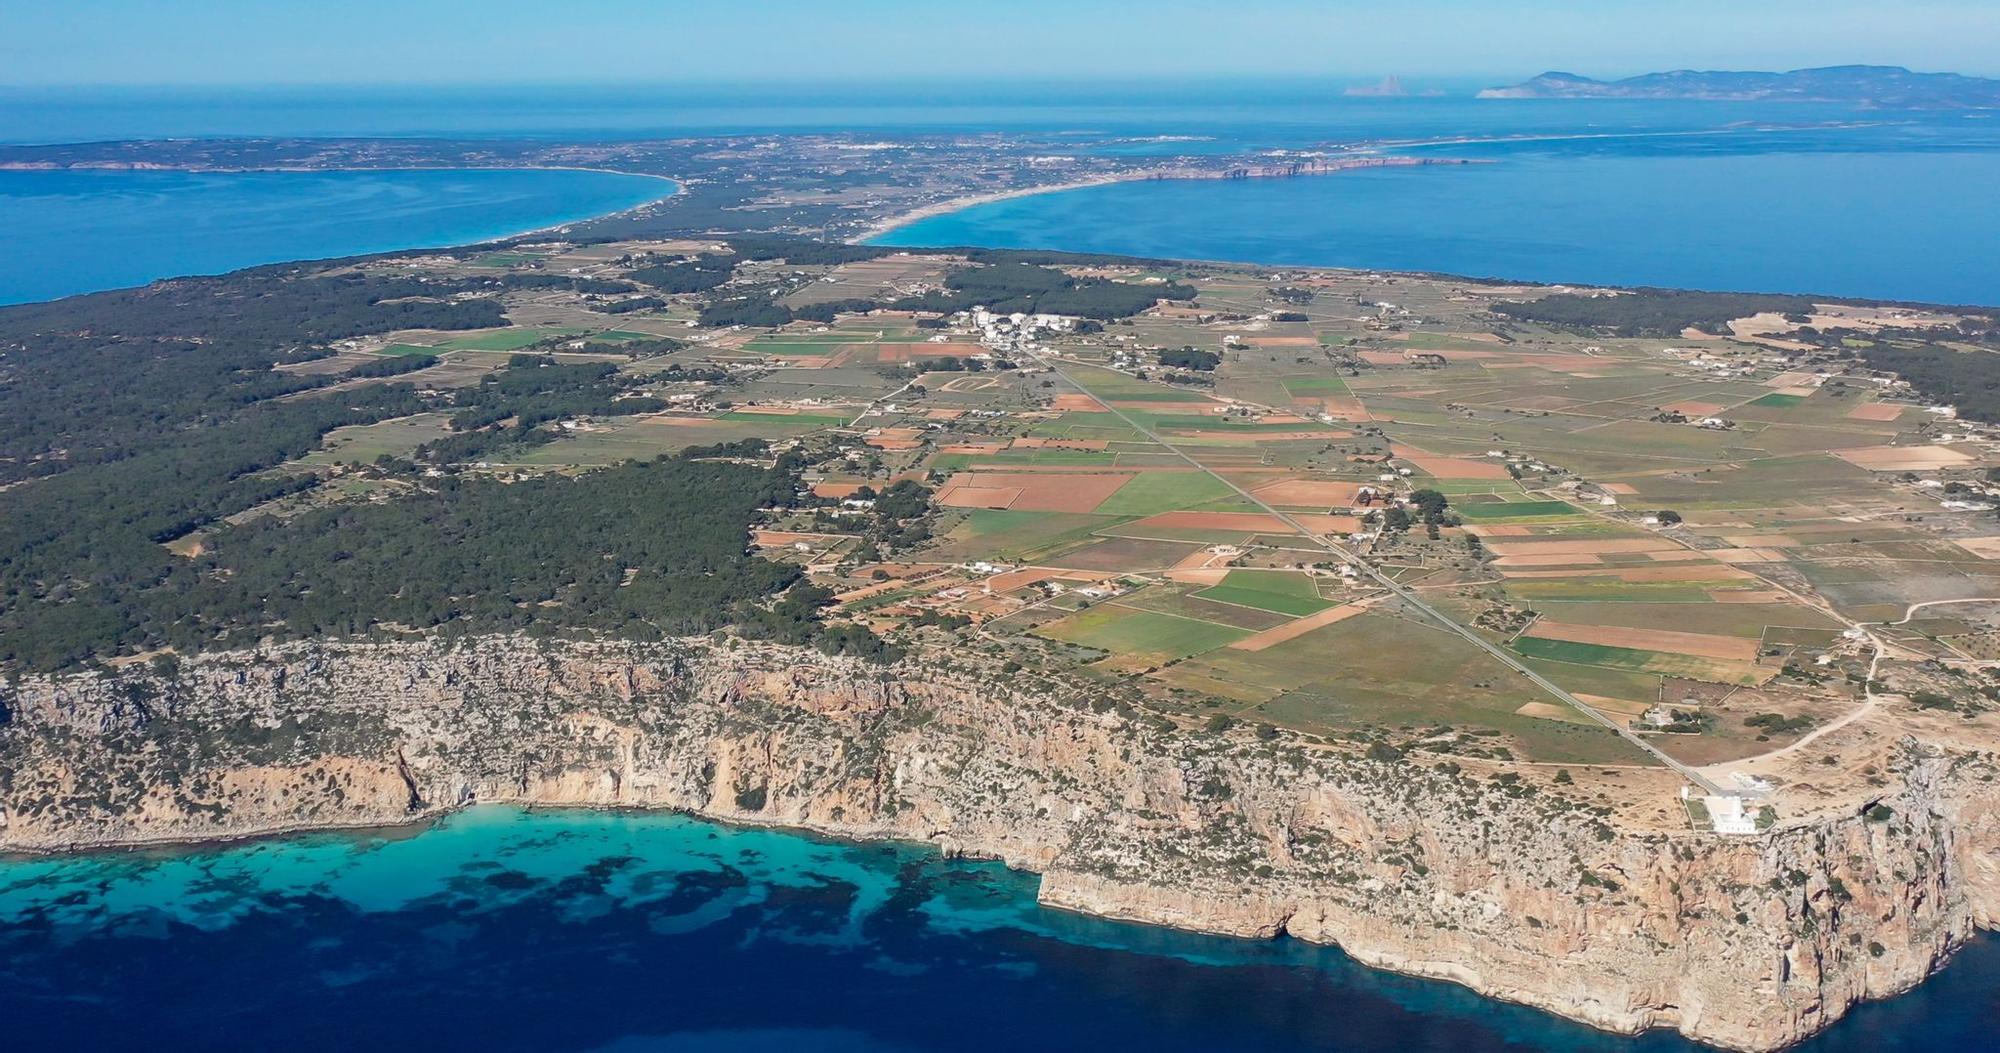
column 1524, row 891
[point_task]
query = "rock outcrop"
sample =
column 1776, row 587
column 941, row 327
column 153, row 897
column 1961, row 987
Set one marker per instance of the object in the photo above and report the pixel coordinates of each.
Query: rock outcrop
column 1523, row 891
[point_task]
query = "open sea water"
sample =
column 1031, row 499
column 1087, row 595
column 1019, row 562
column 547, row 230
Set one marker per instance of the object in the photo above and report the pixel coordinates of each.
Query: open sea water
column 68, row 232
column 505, row 929
column 1884, row 226
column 1899, row 208
column 1736, row 196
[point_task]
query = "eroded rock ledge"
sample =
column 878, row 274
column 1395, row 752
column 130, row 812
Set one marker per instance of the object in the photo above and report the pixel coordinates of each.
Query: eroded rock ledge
column 1521, row 893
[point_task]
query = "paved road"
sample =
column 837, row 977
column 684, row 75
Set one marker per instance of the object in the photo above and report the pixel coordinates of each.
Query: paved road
column 1402, row 592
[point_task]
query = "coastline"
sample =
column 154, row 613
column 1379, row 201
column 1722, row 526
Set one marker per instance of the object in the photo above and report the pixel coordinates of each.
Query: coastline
column 1058, row 889
column 594, row 731
column 678, row 186
column 675, row 188
column 942, row 208
column 1092, row 897
column 1442, row 989
column 1319, row 167
column 1907, row 285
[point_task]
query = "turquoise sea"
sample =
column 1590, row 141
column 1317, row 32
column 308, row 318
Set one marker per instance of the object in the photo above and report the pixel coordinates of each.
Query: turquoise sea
column 503, row 929
column 80, row 231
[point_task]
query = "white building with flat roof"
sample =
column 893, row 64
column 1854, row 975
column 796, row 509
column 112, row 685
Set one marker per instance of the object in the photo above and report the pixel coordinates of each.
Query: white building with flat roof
column 1729, row 815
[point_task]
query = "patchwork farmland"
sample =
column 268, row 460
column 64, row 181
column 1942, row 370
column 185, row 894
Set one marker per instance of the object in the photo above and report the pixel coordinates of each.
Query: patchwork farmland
column 1361, row 507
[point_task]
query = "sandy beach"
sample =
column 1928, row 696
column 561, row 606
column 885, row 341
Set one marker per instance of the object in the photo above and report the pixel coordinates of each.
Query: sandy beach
column 1318, row 167
column 950, row 205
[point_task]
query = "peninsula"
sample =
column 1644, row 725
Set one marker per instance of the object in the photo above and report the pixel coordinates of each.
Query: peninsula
column 1616, row 652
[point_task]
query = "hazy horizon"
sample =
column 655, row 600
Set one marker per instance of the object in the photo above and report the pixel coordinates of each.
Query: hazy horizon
column 1028, row 86
column 375, row 43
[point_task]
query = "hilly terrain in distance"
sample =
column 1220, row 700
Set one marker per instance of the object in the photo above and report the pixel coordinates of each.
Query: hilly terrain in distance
column 1884, row 86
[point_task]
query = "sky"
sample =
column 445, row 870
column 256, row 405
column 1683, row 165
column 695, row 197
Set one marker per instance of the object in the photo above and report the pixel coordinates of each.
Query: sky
column 263, row 42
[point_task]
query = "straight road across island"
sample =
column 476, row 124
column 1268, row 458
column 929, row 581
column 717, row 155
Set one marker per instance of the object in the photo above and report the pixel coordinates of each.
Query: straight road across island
column 1362, row 565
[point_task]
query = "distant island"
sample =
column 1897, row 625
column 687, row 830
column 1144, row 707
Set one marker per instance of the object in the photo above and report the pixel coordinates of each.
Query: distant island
column 1884, row 86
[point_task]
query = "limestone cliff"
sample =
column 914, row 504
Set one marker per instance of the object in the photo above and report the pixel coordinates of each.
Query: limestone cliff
column 1523, row 890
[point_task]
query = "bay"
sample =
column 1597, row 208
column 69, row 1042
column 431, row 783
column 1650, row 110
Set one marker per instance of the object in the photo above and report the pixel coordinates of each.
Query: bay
column 69, row 232
column 1786, row 214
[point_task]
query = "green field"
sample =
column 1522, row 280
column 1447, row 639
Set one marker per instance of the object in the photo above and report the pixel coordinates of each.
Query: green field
column 1115, row 386
column 1176, row 599
column 952, row 462
column 1643, row 611
column 508, row 259
column 1125, row 631
column 1585, row 653
column 1611, row 589
column 1487, row 511
column 1280, row 592
column 1599, row 680
column 1124, row 554
column 784, row 419
column 1633, row 660
column 1225, row 425
column 362, row 443
column 1028, row 537
column 1154, row 492
column 1375, row 672
column 505, row 339
column 834, row 339
column 1079, row 424
column 629, row 438
column 1315, row 386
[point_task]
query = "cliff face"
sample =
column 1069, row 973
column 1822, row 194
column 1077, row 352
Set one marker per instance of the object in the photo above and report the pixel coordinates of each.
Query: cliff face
column 1519, row 891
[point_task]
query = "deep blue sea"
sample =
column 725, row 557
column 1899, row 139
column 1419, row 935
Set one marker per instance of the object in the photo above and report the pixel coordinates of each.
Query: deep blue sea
column 508, row 930
column 80, row 231
column 1889, row 210
column 1767, row 197
column 505, row 930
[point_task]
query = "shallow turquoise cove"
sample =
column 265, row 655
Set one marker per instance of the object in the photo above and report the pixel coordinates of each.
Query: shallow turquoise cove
column 505, row 929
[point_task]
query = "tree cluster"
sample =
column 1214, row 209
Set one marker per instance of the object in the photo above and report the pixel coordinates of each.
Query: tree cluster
column 754, row 310
column 533, row 390
column 1190, row 358
column 629, row 305
column 1969, row 380
column 689, row 276
column 105, row 376
column 800, row 252
column 1011, row 287
column 394, row 366
column 75, row 548
column 573, row 283
column 1661, row 313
